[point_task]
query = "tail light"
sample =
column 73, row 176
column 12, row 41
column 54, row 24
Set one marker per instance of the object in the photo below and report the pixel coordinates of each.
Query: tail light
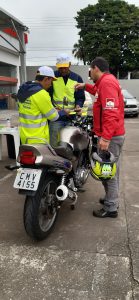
column 27, row 158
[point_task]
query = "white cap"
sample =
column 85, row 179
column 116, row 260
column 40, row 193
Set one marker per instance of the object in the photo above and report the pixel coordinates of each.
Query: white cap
column 46, row 71
column 63, row 61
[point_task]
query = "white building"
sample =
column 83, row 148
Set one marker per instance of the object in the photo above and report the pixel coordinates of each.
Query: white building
column 13, row 39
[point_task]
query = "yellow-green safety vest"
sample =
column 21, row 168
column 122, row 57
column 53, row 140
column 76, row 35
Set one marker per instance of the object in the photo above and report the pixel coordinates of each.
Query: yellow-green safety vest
column 60, row 90
column 33, row 116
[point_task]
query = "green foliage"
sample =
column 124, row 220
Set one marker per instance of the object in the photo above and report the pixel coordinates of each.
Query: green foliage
column 110, row 29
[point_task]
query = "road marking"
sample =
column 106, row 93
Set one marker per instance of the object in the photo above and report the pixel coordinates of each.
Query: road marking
column 6, row 177
column 137, row 206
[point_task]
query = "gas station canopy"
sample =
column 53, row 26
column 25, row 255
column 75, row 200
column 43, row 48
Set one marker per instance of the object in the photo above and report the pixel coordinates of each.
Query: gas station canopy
column 6, row 18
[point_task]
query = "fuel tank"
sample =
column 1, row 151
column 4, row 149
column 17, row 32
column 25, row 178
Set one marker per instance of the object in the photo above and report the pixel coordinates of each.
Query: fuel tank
column 74, row 136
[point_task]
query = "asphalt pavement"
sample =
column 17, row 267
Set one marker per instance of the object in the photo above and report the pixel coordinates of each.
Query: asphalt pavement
column 84, row 258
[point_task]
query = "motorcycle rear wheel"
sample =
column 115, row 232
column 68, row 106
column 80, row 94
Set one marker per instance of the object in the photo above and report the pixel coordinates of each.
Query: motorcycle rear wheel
column 40, row 211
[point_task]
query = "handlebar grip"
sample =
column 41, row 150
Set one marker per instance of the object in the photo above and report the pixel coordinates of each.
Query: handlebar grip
column 72, row 113
column 84, row 113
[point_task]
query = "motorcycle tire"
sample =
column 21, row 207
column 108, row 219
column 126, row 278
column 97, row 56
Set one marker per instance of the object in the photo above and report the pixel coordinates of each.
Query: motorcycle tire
column 40, row 211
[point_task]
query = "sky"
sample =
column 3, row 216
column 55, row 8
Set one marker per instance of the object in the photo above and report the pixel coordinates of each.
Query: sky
column 51, row 25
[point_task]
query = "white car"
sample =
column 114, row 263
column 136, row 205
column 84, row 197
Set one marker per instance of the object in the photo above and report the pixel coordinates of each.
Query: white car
column 88, row 102
column 131, row 107
column 131, row 103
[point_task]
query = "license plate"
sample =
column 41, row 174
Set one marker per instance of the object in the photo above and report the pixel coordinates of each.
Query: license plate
column 27, row 179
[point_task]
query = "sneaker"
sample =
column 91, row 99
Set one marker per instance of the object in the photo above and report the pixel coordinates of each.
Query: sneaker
column 102, row 200
column 101, row 213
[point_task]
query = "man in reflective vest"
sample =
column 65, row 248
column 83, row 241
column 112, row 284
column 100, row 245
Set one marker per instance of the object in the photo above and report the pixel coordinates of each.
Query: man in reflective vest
column 64, row 97
column 35, row 107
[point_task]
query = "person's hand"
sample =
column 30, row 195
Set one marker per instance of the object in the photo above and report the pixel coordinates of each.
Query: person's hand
column 103, row 144
column 79, row 86
column 78, row 110
column 67, row 111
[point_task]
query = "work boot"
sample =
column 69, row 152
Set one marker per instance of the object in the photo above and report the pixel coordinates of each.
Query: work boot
column 102, row 213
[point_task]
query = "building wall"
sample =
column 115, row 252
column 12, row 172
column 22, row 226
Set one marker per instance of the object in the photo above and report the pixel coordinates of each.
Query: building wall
column 10, row 57
column 130, row 85
column 9, row 71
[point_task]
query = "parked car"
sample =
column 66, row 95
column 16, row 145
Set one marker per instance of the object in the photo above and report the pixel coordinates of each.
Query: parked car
column 131, row 104
column 88, row 102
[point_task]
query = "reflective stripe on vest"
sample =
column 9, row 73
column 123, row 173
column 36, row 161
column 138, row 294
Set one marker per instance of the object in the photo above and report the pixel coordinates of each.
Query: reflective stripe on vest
column 37, row 117
column 32, row 125
column 61, row 102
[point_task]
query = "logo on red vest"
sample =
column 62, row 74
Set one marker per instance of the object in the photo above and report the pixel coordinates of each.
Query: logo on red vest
column 110, row 102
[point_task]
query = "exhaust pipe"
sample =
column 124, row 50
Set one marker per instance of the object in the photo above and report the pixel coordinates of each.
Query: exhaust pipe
column 62, row 192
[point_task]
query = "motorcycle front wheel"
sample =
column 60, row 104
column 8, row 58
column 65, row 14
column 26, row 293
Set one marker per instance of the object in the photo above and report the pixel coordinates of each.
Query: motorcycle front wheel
column 40, row 211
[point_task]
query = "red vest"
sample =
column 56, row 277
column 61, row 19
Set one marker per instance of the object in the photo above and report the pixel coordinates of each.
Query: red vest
column 108, row 108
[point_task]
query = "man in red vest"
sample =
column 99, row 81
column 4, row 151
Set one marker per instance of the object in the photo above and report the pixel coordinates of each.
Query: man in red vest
column 108, row 115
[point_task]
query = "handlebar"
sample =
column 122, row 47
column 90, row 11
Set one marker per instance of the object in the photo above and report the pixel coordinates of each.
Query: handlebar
column 75, row 112
column 84, row 122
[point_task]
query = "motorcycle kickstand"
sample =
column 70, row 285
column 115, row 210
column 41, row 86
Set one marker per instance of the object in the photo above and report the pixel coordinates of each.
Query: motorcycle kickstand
column 73, row 197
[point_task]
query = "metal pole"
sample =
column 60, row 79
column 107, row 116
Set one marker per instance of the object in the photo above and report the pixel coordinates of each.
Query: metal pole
column 22, row 57
column 20, row 41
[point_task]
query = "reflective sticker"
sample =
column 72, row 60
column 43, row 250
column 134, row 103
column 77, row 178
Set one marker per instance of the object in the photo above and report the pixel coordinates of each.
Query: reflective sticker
column 96, row 97
column 106, row 170
column 110, row 102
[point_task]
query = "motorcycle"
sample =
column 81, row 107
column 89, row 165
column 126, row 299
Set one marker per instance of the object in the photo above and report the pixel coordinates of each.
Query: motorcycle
column 49, row 176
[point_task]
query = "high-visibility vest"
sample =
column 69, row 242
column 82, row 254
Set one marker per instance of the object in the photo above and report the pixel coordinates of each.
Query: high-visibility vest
column 34, row 114
column 60, row 90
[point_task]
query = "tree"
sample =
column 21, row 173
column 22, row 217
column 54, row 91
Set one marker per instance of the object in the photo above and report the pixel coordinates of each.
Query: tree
column 110, row 29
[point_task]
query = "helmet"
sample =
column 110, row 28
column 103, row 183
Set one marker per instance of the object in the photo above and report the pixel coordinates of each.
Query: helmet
column 103, row 165
column 63, row 61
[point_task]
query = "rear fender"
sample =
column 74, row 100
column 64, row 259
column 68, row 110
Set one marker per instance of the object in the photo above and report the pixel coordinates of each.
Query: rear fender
column 39, row 150
column 27, row 193
column 46, row 156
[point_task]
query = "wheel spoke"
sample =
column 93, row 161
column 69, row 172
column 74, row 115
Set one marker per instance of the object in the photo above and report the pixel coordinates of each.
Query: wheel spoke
column 47, row 211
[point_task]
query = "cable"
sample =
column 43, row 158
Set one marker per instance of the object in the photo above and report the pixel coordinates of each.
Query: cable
column 40, row 57
column 49, row 50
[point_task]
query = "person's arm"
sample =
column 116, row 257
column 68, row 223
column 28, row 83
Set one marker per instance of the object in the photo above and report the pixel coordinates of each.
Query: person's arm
column 91, row 88
column 79, row 95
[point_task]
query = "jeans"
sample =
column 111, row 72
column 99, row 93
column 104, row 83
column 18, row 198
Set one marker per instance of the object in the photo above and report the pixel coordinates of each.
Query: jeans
column 54, row 128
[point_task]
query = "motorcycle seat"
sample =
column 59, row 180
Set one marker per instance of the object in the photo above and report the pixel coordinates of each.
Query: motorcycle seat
column 65, row 150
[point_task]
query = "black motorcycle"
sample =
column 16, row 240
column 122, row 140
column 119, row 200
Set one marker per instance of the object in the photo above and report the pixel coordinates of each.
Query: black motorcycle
column 50, row 176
